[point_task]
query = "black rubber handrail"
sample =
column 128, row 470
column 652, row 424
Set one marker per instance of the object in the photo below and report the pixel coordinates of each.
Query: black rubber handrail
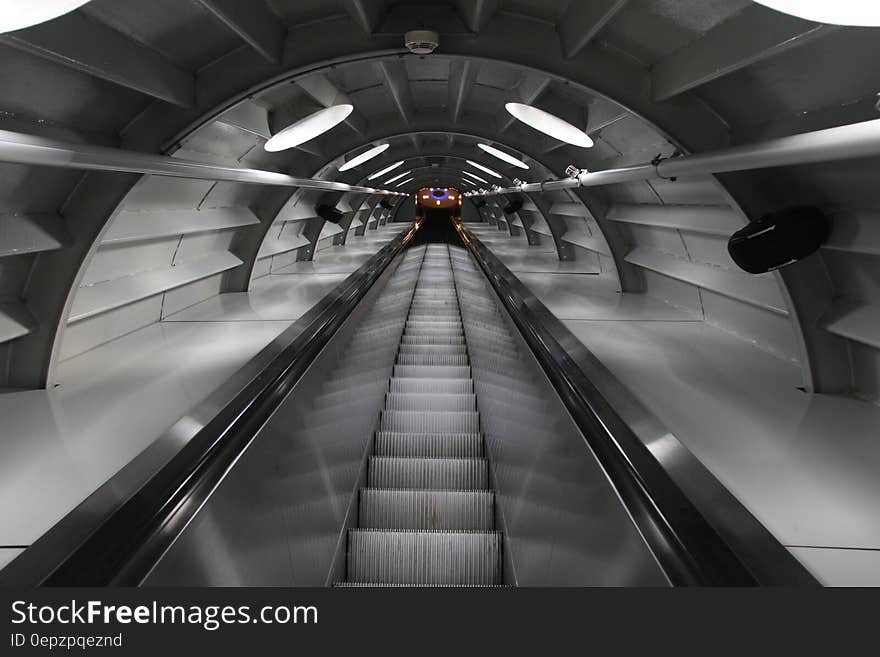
column 122, row 547
column 691, row 550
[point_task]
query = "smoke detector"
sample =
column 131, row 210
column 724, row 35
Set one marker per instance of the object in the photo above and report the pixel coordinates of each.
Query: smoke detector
column 421, row 42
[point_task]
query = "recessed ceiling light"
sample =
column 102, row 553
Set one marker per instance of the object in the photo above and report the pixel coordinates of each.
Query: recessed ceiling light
column 18, row 14
column 381, row 173
column 549, row 124
column 857, row 13
column 475, row 176
column 363, row 157
column 398, row 177
column 482, row 168
column 408, row 180
column 308, row 128
column 501, row 155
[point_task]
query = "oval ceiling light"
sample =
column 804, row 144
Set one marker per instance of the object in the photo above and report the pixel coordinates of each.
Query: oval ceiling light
column 475, row 176
column 308, row 128
column 854, row 13
column 18, row 14
column 381, row 173
column 364, row 157
column 549, row 124
column 483, row 168
column 398, row 177
column 505, row 157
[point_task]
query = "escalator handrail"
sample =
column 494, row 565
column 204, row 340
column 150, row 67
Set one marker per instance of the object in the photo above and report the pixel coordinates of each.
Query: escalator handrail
column 700, row 536
column 118, row 534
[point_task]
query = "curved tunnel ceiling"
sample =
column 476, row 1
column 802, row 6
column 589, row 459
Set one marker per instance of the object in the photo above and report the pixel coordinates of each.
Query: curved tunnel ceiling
column 643, row 77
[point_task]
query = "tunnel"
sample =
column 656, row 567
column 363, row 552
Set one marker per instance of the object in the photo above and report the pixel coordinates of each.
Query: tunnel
column 496, row 293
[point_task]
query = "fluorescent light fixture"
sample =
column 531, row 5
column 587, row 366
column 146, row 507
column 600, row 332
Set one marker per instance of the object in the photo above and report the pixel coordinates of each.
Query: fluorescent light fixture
column 475, row 177
column 381, row 173
column 482, row 168
column 308, row 128
column 549, row 124
column 363, row 157
column 855, row 13
column 408, row 180
column 398, row 177
column 18, row 14
column 504, row 157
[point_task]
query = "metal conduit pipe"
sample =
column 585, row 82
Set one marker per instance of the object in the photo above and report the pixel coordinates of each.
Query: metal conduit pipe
column 841, row 143
column 20, row 148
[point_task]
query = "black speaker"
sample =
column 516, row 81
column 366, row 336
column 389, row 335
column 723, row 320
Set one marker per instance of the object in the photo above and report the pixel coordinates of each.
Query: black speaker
column 778, row 238
column 329, row 213
column 385, row 203
column 514, row 206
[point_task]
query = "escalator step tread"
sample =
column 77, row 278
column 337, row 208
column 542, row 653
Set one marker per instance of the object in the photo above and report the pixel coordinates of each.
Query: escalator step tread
column 424, row 557
column 429, row 445
column 434, row 386
column 430, row 421
column 425, row 509
column 431, row 371
column 407, row 401
column 428, row 473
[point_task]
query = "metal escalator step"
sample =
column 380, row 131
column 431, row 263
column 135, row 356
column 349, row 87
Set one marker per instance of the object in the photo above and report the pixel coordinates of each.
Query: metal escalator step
column 419, row 401
column 432, row 371
column 428, row 445
column 456, row 329
column 429, row 421
column 432, row 349
column 432, row 359
column 428, row 473
column 434, row 316
column 371, row 585
column 431, row 338
column 424, row 557
column 435, row 386
column 426, row 509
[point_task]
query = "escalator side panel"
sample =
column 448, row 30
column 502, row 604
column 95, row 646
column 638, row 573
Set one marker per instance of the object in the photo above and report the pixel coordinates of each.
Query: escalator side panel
column 280, row 513
column 564, row 523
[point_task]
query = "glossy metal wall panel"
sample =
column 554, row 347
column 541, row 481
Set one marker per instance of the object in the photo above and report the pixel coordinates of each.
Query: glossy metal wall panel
column 278, row 516
column 564, row 521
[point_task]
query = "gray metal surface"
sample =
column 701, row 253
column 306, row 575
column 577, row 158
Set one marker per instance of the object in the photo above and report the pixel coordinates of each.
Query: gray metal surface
column 565, row 524
column 277, row 517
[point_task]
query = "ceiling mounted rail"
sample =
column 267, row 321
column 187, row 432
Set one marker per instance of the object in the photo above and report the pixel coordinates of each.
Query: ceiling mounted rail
column 21, row 148
column 841, row 143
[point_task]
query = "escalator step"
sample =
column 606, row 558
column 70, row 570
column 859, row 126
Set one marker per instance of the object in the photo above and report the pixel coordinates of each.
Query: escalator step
column 432, row 349
column 426, row 509
column 370, row 585
column 432, row 371
column 430, row 421
column 398, row 401
column 428, row 445
column 431, row 339
column 434, row 386
column 424, row 557
column 432, row 359
column 428, row 473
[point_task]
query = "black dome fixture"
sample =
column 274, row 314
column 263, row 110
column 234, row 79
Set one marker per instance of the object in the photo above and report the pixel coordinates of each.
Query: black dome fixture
column 386, row 204
column 480, row 203
column 329, row 213
column 777, row 239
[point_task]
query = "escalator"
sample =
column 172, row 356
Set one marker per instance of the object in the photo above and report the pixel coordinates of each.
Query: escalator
column 430, row 424
column 427, row 515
